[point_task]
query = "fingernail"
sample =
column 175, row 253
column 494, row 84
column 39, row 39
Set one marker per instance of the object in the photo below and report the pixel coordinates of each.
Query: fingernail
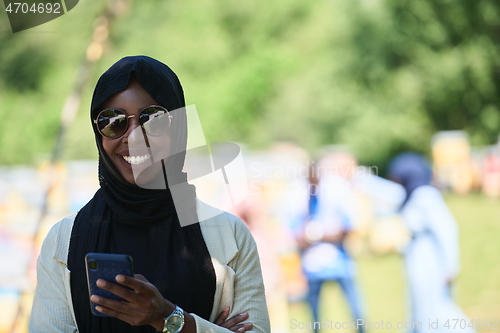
column 98, row 308
column 243, row 314
column 226, row 309
column 120, row 278
column 101, row 283
column 241, row 329
column 94, row 299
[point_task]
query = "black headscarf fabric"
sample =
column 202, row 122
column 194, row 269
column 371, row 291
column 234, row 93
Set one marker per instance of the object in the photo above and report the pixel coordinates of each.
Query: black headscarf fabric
column 412, row 170
column 178, row 261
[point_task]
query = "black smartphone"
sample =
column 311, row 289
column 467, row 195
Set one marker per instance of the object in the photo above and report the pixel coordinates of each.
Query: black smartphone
column 106, row 266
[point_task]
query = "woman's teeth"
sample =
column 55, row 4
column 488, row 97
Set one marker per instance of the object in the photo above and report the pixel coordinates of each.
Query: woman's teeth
column 135, row 160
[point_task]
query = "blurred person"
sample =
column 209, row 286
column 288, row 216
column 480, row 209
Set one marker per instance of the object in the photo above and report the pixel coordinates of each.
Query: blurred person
column 276, row 188
column 194, row 276
column 322, row 233
column 432, row 256
column 491, row 172
column 290, row 163
column 255, row 212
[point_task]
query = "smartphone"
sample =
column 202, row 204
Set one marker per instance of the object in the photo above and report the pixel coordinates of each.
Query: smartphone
column 106, row 266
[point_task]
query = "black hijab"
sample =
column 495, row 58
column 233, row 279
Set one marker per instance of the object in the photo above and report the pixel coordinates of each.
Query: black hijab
column 178, row 261
column 412, row 170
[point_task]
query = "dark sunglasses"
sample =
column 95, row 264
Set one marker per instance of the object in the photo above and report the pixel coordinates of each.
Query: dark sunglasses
column 113, row 123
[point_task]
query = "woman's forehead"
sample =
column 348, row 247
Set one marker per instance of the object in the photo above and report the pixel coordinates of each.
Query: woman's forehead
column 134, row 96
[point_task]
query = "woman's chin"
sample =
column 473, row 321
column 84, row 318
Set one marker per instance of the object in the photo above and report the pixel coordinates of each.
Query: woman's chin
column 150, row 177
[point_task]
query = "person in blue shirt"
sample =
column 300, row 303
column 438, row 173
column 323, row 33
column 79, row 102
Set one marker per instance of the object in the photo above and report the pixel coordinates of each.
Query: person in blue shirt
column 320, row 236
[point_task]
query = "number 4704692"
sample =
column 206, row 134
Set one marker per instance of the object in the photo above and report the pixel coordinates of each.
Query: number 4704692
column 20, row 7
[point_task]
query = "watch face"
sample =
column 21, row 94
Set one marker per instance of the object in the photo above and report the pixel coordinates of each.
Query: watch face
column 174, row 324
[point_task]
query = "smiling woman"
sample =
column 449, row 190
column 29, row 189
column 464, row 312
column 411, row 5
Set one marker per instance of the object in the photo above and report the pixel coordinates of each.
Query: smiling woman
column 192, row 277
column 134, row 101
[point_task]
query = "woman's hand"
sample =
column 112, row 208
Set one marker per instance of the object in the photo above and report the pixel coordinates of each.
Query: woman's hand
column 233, row 324
column 146, row 304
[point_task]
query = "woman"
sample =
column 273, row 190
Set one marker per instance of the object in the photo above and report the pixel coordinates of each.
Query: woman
column 432, row 259
column 204, row 272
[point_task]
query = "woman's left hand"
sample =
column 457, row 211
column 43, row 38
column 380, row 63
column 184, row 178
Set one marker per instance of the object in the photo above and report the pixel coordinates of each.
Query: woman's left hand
column 146, row 305
column 234, row 323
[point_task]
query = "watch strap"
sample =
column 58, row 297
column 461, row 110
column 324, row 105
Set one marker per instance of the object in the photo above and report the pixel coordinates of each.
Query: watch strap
column 178, row 316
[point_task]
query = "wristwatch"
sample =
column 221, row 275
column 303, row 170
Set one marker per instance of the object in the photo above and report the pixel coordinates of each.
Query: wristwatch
column 174, row 322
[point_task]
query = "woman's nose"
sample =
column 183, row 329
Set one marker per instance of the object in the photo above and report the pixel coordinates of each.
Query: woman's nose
column 133, row 123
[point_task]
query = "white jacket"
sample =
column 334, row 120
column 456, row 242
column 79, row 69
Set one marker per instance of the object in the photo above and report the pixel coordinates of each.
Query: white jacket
column 234, row 257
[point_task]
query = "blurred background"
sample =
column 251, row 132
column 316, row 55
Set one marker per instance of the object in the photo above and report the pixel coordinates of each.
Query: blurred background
column 287, row 80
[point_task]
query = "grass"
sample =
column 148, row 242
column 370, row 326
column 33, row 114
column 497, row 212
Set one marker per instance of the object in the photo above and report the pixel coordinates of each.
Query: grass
column 478, row 285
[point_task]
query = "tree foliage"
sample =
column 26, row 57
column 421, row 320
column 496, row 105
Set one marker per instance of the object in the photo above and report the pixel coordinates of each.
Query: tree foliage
column 380, row 76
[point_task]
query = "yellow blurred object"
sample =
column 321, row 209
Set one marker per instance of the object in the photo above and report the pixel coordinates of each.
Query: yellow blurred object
column 389, row 234
column 453, row 167
column 95, row 51
column 295, row 282
column 8, row 307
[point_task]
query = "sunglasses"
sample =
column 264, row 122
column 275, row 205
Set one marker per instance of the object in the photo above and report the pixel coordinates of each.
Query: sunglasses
column 113, row 123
